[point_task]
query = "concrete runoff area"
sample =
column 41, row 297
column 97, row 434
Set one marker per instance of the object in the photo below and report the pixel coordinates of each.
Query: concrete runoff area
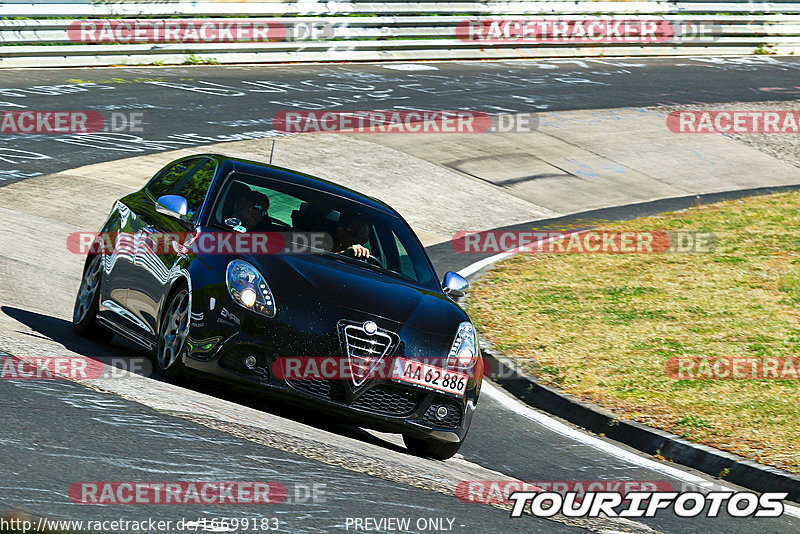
column 582, row 160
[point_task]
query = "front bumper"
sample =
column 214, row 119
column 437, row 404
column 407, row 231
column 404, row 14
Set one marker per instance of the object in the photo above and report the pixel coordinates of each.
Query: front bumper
column 379, row 404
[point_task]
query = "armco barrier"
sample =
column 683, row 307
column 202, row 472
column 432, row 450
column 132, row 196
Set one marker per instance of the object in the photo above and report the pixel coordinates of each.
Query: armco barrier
column 390, row 30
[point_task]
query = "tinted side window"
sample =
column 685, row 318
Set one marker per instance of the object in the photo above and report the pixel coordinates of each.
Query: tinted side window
column 169, row 178
column 406, row 265
column 195, row 187
column 281, row 205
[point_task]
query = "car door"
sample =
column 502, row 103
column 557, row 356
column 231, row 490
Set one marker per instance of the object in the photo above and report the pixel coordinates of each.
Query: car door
column 117, row 256
column 155, row 261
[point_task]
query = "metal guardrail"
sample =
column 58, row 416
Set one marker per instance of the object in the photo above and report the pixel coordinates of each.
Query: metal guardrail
column 389, row 30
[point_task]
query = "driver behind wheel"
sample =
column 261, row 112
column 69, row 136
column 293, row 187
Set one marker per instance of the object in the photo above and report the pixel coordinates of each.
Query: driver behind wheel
column 352, row 233
column 251, row 209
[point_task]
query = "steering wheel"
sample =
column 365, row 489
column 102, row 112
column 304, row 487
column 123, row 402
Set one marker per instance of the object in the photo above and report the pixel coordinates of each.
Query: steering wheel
column 369, row 259
column 277, row 222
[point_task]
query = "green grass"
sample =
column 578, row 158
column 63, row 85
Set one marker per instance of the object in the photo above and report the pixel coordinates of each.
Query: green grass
column 765, row 50
column 197, row 60
column 603, row 326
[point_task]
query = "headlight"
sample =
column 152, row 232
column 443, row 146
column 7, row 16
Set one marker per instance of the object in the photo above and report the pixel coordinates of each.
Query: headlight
column 248, row 288
column 464, row 352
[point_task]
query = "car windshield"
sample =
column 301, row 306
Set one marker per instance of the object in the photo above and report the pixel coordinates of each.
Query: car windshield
column 250, row 203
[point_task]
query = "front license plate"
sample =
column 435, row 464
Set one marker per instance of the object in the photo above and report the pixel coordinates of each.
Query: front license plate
column 429, row 377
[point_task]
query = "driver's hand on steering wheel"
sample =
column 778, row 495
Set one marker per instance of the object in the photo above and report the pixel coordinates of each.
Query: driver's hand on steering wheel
column 359, row 251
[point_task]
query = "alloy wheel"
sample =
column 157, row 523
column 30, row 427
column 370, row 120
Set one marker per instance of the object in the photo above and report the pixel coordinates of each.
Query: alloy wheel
column 175, row 330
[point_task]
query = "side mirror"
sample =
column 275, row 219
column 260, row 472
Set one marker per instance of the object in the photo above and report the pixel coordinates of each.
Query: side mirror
column 454, row 285
column 173, row 206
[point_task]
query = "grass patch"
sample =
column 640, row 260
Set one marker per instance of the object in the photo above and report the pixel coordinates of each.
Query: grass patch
column 197, row 60
column 603, row 326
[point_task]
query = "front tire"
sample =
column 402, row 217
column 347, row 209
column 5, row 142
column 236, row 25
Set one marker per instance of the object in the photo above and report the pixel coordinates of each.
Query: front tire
column 172, row 336
column 84, row 313
column 439, row 450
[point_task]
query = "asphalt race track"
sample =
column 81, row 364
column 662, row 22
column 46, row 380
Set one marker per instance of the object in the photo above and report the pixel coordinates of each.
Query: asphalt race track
column 57, row 433
column 191, row 106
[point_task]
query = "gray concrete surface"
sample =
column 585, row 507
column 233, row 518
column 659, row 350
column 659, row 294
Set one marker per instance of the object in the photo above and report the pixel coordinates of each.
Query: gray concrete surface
column 581, row 160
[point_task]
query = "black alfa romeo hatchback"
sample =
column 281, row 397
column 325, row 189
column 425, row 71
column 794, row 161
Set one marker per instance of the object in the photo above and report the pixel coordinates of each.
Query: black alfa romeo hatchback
column 287, row 283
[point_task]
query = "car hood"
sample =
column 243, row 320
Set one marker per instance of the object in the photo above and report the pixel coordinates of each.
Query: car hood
column 339, row 283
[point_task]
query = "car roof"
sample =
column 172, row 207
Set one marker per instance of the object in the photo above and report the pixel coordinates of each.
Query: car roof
column 256, row 168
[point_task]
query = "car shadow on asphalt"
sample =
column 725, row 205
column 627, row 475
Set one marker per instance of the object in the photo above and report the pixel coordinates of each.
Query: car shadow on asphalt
column 60, row 331
column 124, row 354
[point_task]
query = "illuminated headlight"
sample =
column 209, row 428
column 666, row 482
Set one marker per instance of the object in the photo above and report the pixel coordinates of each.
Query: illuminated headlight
column 464, row 351
column 249, row 297
column 248, row 288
